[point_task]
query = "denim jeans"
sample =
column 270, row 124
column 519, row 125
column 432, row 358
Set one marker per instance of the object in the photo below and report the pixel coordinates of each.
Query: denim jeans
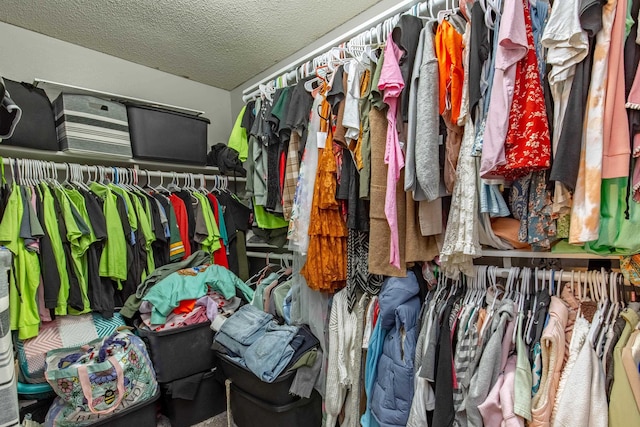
column 262, row 345
column 242, row 329
column 271, row 353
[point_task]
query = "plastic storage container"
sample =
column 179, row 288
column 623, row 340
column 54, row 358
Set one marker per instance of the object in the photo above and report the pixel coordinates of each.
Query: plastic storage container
column 164, row 135
column 179, row 353
column 89, row 125
column 210, row 400
column 142, row 414
column 275, row 393
column 249, row 411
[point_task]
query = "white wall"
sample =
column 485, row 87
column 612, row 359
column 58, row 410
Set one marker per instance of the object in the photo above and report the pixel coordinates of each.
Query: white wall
column 25, row 55
column 381, row 7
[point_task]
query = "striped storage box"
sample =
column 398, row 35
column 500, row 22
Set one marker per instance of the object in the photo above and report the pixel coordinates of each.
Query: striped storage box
column 90, row 125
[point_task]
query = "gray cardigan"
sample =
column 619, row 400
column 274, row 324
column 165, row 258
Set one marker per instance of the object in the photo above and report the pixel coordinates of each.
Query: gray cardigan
column 422, row 166
column 490, row 364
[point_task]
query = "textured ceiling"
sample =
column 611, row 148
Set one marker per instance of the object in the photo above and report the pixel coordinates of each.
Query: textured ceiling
column 221, row 43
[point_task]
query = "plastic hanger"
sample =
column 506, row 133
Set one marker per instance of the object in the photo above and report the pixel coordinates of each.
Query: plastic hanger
column 13, row 174
column 203, row 184
column 496, row 293
column 80, row 179
column 147, row 185
column 559, row 285
column 444, row 13
column 38, row 171
column 481, row 298
column 126, row 179
column 267, row 90
column 24, row 177
column 26, row 173
column 471, row 288
column 492, row 12
column 159, row 187
column 36, row 166
column 597, row 318
column 319, row 77
column 519, row 300
column 608, row 314
column 579, row 285
column 532, row 310
column 135, row 183
column 173, row 185
column 65, row 183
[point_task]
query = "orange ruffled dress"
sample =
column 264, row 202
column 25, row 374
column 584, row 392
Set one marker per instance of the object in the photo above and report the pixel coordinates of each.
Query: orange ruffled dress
column 326, row 266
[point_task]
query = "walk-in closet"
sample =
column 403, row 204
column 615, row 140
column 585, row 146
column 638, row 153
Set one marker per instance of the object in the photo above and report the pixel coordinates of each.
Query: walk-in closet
column 320, row 214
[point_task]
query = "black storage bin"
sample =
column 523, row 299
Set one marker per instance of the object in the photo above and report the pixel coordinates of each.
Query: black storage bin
column 210, row 400
column 164, row 135
column 275, row 393
column 249, row 411
column 37, row 410
column 141, row 414
column 37, row 125
column 179, row 353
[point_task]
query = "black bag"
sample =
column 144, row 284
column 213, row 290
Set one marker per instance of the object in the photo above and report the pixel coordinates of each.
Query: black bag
column 226, row 159
column 37, row 126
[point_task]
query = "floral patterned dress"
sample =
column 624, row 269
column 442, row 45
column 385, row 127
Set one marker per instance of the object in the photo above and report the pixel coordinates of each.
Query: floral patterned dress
column 528, row 143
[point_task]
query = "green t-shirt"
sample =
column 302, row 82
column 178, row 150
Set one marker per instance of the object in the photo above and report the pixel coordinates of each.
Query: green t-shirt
column 51, row 224
column 113, row 261
column 25, row 278
column 267, row 220
column 211, row 242
column 131, row 213
column 76, row 215
column 238, row 139
column 144, row 221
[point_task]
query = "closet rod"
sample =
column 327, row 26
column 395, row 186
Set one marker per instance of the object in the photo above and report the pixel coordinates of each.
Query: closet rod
column 546, row 274
column 420, row 8
column 8, row 162
column 270, row 255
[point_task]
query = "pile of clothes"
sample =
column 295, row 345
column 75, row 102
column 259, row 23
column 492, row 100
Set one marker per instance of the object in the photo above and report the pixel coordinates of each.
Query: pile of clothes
column 255, row 340
column 186, row 293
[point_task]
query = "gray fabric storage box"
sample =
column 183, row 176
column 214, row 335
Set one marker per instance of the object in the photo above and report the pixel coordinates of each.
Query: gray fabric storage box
column 90, row 125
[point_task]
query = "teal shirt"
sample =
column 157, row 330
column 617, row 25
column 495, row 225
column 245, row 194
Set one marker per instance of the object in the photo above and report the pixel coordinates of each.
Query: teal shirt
column 192, row 283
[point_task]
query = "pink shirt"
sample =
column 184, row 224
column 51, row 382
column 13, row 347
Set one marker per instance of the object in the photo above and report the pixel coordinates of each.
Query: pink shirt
column 392, row 84
column 616, row 150
column 512, row 47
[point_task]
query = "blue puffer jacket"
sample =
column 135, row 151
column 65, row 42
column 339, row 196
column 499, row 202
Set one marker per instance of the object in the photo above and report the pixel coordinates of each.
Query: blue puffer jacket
column 399, row 313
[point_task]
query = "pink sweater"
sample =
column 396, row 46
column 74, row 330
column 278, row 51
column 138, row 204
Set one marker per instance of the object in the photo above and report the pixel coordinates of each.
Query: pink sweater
column 616, row 150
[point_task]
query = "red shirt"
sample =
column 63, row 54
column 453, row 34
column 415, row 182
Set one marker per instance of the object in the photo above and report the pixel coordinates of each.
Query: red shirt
column 219, row 256
column 183, row 223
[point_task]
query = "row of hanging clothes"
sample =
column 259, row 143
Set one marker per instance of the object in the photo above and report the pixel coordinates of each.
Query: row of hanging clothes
column 504, row 347
column 479, row 101
column 272, row 285
column 85, row 244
